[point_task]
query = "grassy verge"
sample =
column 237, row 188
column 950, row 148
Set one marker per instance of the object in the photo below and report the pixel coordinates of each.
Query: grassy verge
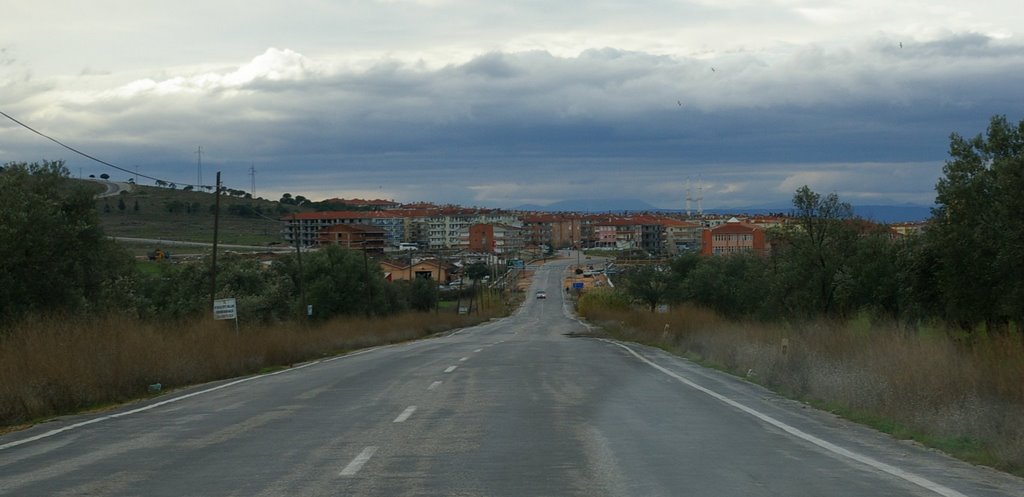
column 59, row 366
column 965, row 400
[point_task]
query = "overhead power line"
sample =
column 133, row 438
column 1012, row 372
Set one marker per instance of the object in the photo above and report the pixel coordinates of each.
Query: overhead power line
column 83, row 154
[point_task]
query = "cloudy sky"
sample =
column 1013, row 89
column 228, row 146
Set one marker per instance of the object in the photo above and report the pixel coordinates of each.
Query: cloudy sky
column 502, row 103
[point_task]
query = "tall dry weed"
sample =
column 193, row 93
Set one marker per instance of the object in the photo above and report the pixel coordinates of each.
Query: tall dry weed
column 54, row 366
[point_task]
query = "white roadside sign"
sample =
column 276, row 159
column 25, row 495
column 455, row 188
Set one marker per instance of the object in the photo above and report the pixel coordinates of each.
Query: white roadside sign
column 225, row 309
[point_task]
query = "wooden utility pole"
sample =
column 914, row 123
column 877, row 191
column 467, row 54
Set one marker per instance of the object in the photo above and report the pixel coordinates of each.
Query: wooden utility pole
column 216, row 231
column 296, row 234
column 369, row 284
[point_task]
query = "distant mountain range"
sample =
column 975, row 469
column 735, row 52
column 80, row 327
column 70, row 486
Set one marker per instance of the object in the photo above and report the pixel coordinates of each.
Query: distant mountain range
column 592, row 205
column 876, row 213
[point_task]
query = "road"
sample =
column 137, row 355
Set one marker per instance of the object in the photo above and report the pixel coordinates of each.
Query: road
column 226, row 246
column 113, row 188
column 513, row 407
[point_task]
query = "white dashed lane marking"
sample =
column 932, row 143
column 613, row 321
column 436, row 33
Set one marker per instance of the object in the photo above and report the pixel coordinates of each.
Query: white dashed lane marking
column 405, row 414
column 434, row 385
column 450, row 369
column 357, row 463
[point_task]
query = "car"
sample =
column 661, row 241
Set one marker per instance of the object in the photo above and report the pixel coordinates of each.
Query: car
column 541, row 294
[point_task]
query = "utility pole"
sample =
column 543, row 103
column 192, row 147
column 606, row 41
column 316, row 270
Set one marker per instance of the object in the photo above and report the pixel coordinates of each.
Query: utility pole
column 216, row 228
column 369, row 286
column 298, row 257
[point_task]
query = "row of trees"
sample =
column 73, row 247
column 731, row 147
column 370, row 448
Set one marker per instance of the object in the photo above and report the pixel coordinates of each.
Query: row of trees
column 965, row 270
column 334, row 281
column 55, row 259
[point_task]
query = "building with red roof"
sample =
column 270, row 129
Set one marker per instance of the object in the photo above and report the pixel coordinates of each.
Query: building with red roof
column 733, row 237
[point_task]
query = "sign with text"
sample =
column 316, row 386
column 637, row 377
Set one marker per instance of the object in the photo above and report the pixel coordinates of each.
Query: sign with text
column 225, row 309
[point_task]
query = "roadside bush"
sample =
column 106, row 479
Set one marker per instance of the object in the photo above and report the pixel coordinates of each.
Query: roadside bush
column 423, row 294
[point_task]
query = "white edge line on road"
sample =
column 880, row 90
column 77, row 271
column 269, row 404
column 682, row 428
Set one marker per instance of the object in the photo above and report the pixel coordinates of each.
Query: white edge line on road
column 450, row 369
column 477, row 350
column 357, row 463
column 405, row 414
column 464, row 359
column 831, row 447
column 175, row 399
column 434, row 385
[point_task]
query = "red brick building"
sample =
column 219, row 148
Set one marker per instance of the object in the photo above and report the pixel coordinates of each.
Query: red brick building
column 733, row 237
column 495, row 238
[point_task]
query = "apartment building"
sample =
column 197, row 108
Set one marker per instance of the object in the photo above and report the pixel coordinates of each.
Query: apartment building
column 370, row 239
column 494, row 238
column 682, row 236
column 553, row 230
column 305, row 227
column 733, row 237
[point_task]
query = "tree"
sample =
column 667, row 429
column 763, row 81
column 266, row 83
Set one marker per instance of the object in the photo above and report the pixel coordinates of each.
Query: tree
column 815, row 252
column 680, row 268
column 135, row 208
column 120, row 205
column 649, row 285
column 737, row 285
column 976, row 233
column 175, row 206
column 423, row 294
column 53, row 255
column 340, row 281
column 477, row 271
column 104, row 176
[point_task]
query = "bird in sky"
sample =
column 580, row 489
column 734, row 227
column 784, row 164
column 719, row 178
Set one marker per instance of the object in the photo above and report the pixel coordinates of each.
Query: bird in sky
column 679, row 102
column 712, row 69
column 901, row 44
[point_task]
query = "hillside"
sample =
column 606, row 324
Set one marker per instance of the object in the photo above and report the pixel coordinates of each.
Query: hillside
column 169, row 214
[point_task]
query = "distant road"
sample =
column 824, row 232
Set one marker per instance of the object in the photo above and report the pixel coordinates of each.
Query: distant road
column 113, row 187
column 513, row 407
column 177, row 243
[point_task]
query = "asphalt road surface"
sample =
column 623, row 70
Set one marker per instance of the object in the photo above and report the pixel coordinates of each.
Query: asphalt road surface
column 513, row 407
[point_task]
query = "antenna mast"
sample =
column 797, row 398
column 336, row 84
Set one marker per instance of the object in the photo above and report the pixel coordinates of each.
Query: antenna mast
column 252, row 176
column 199, row 166
column 689, row 196
column 700, row 198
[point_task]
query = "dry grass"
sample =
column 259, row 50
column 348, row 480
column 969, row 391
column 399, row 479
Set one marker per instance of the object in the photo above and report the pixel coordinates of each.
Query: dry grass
column 57, row 366
column 967, row 400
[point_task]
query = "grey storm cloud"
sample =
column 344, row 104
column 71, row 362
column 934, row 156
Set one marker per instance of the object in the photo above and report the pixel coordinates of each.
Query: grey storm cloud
column 749, row 124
